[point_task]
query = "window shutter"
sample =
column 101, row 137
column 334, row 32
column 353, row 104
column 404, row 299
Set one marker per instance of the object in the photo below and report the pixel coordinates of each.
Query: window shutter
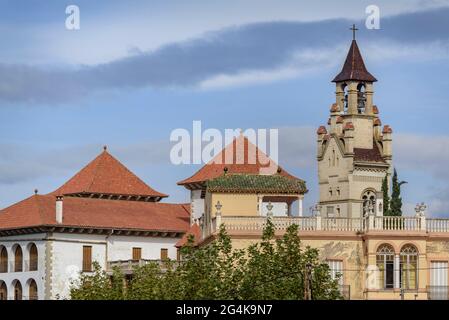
column 87, row 258
column 137, row 253
column 164, row 254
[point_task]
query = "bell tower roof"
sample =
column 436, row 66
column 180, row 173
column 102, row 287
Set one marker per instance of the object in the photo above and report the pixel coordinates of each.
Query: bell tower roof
column 354, row 67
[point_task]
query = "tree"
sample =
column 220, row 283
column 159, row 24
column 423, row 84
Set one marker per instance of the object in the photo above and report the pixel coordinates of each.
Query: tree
column 386, row 196
column 270, row 269
column 276, row 269
column 98, row 285
column 396, row 200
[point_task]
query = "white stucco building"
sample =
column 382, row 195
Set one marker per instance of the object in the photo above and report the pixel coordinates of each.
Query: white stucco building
column 104, row 213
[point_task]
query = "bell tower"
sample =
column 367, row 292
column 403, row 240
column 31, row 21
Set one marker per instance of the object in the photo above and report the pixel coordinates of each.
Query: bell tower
column 354, row 153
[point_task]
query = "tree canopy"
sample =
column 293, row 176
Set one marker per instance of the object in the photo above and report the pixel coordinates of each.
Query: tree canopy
column 269, row 269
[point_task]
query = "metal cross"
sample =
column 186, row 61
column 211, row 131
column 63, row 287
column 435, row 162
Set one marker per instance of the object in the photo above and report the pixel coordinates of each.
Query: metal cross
column 354, row 29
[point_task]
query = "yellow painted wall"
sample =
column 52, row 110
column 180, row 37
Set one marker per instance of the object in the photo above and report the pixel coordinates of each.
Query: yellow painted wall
column 235, row 204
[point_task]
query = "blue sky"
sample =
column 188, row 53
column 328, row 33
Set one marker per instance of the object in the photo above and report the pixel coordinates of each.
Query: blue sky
column 133, row 73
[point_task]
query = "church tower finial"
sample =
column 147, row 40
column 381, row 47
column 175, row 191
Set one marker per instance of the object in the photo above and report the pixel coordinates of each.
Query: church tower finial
column 354, row 29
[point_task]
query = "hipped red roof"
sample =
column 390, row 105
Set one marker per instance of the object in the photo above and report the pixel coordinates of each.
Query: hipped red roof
column 106, row 175
column 39, row 210
column 216, row 167
column 195, row 231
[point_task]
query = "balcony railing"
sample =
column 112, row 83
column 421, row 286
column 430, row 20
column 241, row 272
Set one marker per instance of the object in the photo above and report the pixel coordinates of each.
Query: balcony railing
column 438, row 292
column 127, row 266
column 338, row 224
column 437, row 225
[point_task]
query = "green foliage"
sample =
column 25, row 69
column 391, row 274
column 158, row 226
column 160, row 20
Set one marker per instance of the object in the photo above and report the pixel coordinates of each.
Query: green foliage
column 386, row 197
column 274, row 268
column 396, row 199
column 98, row 285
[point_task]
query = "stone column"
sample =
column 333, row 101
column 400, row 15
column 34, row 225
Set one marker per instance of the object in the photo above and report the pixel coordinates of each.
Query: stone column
column 396, row 267
column 300, row 209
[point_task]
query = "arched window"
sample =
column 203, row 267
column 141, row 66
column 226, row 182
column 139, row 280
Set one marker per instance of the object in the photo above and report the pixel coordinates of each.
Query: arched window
column 3, row 291
column 361, row 98
column 369, row 202
column 18, row 259
column 17, row 290
column 3, row 259
column 33, row 257
column 385, row 264
column 409, row 267
column 344, row 87
column 33, row 290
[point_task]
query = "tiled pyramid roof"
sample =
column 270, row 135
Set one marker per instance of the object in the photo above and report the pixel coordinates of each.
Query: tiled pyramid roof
column 216, row 167
column 105, row 175
column 354, row 67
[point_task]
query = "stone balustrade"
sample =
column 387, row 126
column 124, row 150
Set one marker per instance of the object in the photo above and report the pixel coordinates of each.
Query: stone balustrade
column 318, row 223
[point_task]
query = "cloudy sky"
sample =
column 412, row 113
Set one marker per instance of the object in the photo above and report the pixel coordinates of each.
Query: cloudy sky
column 133, row 73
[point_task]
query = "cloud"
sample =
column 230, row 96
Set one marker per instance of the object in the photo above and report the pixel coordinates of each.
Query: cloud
column 233, row 56
column 24, row 163
column 428, row 153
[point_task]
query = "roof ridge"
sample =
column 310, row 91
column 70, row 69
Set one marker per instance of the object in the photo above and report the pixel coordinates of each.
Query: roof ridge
column 101, row 158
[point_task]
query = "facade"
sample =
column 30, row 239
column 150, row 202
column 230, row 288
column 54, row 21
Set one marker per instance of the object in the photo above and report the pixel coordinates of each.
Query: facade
column 378, row 257
column 104, row 214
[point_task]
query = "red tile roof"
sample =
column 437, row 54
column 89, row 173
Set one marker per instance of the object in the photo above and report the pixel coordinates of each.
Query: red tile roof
column 349, row 126
column 335, row 107
column 194, row 230
column 354, row 67
column 216, row 166
column 368, row 155
column 387, row 129
column 106, row 175
column 39, row 210
column 321, row 130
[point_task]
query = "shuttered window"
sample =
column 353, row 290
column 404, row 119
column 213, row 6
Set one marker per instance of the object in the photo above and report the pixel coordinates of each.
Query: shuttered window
column 164, row 254
column 33, row 257
column 87, row 258
column 137, row 253
column 336, row 267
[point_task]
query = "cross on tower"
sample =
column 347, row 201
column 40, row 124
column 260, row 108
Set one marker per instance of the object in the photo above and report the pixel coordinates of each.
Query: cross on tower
column 354, row 29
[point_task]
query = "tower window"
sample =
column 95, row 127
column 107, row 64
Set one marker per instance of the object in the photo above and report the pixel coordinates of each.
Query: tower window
column 330, row 192
column 361, row 98
column 345, row 99
column 338, row 192
column 369, row 202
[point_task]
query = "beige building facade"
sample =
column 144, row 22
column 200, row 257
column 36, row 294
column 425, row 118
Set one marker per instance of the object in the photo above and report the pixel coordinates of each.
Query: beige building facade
column 379, row 257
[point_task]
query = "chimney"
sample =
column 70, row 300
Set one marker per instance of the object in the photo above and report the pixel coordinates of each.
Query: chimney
column 59, row 202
